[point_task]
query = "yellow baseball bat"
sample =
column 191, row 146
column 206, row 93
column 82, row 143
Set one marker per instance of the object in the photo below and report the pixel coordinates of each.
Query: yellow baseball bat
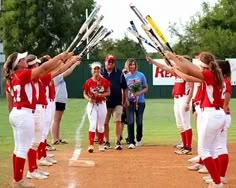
column 158, row 31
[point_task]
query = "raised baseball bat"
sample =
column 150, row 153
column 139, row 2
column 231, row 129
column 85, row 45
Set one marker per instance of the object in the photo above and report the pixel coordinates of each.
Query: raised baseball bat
column 90, row 30
column 144, row 22
column 138, row 36
column 85, row 25
column 95, row 34
column 153, row 39
column 139, row 40
column 92, row 47
column 158, row 31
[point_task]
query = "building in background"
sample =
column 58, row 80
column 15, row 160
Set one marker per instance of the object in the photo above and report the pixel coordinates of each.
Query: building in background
column 2, row 60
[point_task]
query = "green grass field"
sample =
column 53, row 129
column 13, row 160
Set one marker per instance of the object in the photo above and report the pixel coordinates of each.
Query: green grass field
column 159, row 128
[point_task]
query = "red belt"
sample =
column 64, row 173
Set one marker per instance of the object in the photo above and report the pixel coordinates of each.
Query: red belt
column 19, row 108
column 216, row 108
column 178, row 96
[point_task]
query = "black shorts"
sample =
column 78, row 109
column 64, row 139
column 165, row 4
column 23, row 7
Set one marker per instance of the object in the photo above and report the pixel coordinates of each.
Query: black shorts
column 60, row 106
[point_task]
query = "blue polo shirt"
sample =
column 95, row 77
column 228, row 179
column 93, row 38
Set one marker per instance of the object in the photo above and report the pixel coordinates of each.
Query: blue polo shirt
column 118, row 83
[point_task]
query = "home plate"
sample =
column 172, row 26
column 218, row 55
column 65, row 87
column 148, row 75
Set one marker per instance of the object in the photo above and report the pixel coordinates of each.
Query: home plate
column 81, row 163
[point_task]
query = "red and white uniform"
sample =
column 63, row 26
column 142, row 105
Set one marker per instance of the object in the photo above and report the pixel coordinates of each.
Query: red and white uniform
column 180, row 93
column 211, row 124
column 49, row 97
column 21, row 117
column 96, row 112
column 222, row 148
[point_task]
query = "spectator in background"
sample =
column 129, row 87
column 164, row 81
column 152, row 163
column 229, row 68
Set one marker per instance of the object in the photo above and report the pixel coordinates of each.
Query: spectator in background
column 137, row 86
column 115, row 101
column 61, row 98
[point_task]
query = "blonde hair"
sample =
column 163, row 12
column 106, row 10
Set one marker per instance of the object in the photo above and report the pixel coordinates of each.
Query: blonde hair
column 209, row 59
column 128, row 62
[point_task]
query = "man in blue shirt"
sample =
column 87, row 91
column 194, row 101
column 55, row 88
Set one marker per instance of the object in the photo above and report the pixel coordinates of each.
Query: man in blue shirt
column 115, row 102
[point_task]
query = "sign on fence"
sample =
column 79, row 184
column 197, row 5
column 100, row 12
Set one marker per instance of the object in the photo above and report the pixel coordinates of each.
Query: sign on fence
column 161, row 77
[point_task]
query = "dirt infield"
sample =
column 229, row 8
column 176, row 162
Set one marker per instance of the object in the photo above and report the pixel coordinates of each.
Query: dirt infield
column 146, row 166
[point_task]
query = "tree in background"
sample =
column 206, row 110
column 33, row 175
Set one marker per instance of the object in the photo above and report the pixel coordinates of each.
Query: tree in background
column 41, row 27
column 214, row 30
column 121, row 48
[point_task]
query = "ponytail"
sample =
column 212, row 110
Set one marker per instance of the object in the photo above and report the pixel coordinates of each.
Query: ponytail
column 218, row 74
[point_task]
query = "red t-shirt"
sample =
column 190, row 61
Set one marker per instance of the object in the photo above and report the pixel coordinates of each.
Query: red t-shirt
column 211, row 93
column 227, row 89
column 100, row 86
column 24, row 92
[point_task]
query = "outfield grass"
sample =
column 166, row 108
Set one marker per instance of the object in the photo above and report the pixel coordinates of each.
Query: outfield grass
column 159, row 128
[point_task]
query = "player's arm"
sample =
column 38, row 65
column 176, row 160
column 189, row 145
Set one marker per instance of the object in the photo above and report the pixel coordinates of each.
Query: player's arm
column 76, row 61
column 9, row 101
column 50, row 65
column 160, row 65
column 186, row 77
column 190, row 95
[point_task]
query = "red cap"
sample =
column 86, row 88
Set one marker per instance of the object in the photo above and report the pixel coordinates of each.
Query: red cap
column 110, row 57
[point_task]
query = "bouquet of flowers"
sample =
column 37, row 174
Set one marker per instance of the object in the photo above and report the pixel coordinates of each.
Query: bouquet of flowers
column 135, row 87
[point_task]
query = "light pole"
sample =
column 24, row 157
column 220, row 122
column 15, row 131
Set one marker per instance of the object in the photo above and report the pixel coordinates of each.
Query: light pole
column 86, row 15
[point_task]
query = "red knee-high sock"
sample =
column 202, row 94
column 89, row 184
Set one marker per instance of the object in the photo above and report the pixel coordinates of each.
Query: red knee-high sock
column 40, row 150
column 216, row 160
column 14, row 163
column 32, row 159
column 189, row 135
column 91, row 136
column 100, row 138
column 183, row 136
column 211, row 167
column 223, row 164
column 44, row 145
column 200, row 161
column 19, row 168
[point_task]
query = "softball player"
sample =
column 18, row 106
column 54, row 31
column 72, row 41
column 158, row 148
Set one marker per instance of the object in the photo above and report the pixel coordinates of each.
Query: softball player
column 223, row 157
column 212, row 115
column 23, row 94
column 182, row 93
column 96, row 89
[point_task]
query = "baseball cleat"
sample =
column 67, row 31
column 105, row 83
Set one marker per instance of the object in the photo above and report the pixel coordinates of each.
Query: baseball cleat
column 101, row 148
column 90, row 149
column 118, row 146
column 23, row 183
column 35, row 175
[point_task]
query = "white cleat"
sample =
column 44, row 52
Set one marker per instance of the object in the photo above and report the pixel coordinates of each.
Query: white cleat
column 101, row 148
column 23, row 184
column 203, row 170
column 35, row 175
column 44, row 162
column 213, row 185
column 195, row 167
column 138, row 144
column 131, row 146
column 43, row 172
column 90, row 149
column 51, row 160
column 50, row 155
column 194, row 159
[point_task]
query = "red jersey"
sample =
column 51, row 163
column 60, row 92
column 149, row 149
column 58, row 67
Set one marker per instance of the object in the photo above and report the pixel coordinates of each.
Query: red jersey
column 211, row 93
column 198, row 94
column 180, row 87
column 24, row 92
column 49, row 86
column 100, row 86
column 40, row 91
column 227, row 89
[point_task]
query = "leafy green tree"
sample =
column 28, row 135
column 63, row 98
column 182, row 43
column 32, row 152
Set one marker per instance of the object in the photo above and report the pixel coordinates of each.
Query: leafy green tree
column 41, row 26
column 214, row 30
column 121, row 48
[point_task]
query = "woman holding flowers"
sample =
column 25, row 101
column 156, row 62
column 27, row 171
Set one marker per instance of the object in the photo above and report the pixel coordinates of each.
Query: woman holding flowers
column 137, row 86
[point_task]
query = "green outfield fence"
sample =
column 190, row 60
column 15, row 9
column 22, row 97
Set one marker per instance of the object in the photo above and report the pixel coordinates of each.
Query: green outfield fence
column 80, row 74
column 77, row 78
